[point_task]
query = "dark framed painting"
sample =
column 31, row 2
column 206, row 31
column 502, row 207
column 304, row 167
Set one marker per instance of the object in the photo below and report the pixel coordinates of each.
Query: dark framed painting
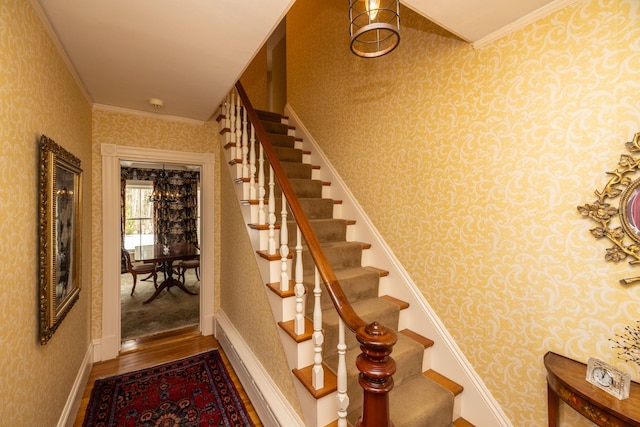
column 60, row 243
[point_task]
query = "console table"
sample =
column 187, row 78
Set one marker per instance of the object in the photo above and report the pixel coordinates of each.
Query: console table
column 566, row 380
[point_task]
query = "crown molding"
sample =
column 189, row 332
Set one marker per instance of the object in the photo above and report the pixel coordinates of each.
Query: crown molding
column 129, row 111
column 520, row 23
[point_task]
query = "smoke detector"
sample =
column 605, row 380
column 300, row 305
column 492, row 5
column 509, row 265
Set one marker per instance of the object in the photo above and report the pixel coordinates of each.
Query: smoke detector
column 156, row 103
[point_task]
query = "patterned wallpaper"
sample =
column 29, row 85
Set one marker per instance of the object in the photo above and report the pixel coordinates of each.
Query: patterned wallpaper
column 38, row 96
column 254, row 80
column 477, row 160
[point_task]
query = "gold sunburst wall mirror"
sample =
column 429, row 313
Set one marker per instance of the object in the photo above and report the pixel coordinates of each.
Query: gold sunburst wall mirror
column 619, row 223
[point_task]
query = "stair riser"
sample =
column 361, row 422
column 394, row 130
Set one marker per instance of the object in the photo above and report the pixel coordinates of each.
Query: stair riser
column 388, row 318
column 287, row 155
column 293, row 170
column 279, row 140
column 408, row 360
column 273, row 127
column 354, row 288
column 314, row 208
column 303, row 189
column 347, row 256
column 326, row 231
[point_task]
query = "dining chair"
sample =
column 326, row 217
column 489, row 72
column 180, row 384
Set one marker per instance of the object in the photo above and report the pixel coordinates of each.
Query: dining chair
column 186, row 264
column 140, row 269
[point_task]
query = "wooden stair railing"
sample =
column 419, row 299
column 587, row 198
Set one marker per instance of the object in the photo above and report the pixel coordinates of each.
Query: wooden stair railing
column 375, row 364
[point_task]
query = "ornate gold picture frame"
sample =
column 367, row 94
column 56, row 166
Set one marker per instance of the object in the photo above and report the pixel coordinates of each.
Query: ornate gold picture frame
column 59, row 223
column 620, row 224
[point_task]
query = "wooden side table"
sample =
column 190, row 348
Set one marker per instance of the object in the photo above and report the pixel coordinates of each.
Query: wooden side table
column 566, row 380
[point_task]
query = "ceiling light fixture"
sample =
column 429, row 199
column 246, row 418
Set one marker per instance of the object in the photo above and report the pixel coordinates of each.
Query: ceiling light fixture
column 156, row 103
column 159, row 196
column 374, row 27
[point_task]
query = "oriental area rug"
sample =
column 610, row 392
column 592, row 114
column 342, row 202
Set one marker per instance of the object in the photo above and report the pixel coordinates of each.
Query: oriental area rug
column 194, row 391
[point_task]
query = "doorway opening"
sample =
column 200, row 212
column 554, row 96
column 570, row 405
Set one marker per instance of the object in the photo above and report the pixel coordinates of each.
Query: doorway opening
column 160, row 204
column 108, row 346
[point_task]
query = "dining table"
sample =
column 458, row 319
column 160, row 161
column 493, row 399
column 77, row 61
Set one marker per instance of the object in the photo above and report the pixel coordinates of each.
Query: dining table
column 165, row 255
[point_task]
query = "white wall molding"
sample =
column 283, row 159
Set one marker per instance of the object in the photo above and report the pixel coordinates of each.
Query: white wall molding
column 108, row 345
column 152, row 115
column 70, row 410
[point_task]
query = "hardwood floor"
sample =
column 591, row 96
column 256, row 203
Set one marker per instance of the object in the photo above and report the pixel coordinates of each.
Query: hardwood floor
column 144, row 353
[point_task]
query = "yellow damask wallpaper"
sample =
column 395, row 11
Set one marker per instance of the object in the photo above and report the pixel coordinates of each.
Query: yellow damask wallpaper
column 254, row 80
column 38, row 96
column 476, row 161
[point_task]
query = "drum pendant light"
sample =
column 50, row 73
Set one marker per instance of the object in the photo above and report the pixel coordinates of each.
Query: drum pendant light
column 374, row 27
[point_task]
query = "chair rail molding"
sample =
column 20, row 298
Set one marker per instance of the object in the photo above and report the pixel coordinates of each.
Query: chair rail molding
column 108, row 345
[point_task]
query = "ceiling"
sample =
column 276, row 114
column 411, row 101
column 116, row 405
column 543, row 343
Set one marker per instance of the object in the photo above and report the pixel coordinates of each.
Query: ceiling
column 189, row 53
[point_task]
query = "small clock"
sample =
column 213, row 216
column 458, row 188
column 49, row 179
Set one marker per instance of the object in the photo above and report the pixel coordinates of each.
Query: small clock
column 608, row 378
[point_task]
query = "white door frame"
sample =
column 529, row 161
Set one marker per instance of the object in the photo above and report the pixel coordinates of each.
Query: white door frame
column 108, row 346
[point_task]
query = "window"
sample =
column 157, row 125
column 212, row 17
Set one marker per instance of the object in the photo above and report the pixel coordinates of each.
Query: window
column 138, row 229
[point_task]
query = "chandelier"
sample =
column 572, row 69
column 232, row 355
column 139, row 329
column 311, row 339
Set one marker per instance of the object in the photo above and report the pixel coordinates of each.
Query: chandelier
column 163, row 196
column 374, row 27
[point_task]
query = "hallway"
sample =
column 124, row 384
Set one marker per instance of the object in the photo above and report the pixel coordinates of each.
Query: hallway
column 162, row 348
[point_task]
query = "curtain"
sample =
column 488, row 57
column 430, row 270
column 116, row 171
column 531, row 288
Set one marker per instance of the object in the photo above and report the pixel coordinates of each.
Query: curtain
column 123, row 216
column 173, row 221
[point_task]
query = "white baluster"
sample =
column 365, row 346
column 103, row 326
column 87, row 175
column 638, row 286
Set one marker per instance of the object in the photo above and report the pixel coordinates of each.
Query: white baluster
column 252, row 164
column 261, row 189
column 343, row 398
column 232, row 126
column 239, row 132
column 318, row 337
column 226, row 124
column 299, row 287
column 284, row 247
column 245, row 153
column 272, row 213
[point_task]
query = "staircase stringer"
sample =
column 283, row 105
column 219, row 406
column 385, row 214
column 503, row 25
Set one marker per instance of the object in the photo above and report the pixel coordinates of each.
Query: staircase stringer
column 477, row 404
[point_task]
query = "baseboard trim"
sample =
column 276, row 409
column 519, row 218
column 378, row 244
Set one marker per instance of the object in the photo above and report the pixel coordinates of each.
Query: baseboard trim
column 270, row 404
column 70, row 410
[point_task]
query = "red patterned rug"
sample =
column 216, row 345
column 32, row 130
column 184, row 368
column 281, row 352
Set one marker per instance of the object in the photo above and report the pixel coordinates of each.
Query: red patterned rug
column 196, row 391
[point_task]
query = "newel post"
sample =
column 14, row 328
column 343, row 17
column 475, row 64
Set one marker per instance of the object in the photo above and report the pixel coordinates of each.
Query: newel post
column 376, row 368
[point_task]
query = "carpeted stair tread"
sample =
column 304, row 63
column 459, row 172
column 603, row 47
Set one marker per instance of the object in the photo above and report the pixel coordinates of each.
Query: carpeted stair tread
column 356, row 282
column 286, row 154
column 313, row 207
column 407, row 354
column 421, row 402
column 296, row 169
column 340, row 255
column 273, row 127
column 303, row 188
column 370, row 310
column 418, row 402
column 326, row 230
column 280, row 140
column 269, row 116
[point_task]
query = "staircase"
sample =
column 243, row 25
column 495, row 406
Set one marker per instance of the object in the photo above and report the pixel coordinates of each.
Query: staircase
column 420, row 395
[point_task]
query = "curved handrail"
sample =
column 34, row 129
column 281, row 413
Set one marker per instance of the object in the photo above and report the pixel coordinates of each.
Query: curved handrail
column 376, row 340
